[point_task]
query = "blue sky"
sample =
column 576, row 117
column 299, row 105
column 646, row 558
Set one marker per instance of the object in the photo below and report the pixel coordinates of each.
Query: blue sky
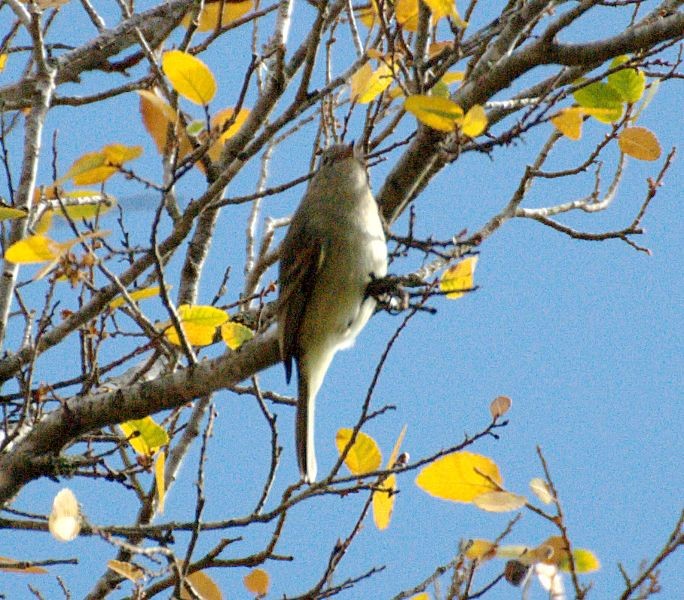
column 586, row 338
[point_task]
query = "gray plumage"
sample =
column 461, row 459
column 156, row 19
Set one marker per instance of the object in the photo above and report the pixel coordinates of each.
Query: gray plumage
column 333, row 248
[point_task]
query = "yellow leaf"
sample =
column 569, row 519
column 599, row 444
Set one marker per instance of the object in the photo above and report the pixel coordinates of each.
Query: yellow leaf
column 475, row 121
column 369, row 15
column 585, row 561
column 445, row 8
column 42, row 226
column 125, row 569
column 196, row 335
column 3, row 61
column 364, row 456
column 4, row 560
column 208, row 19
column 144, row 435
column 9, row 212
column 481, row 550
column 97, row 167
column 458, row 279
column 141, row 294
column 40, row 248
column 159, row 466
column 395, row 92
column 204, row 587
column 367, row 85
column 421, row 596
column 199, row 324
column 439, row 113
column 219, row 121
column 157, row 115
column 499, row 501
column 257, row 582
column 383, row 502
column 89, row 168
column 440, row 8
column 117, row 154
column 455, row 477
column 541, row 490
column 189, row 76
column 639, row 143
column 569, row 122
column 235, row 334
column 64, row 522
column 33, row 249
column 395, row 450
column 500, row 406
column 603, row 114
column 406, row 13
column 452, row 77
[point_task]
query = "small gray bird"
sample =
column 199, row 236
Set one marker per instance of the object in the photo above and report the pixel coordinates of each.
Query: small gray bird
column 334, row 247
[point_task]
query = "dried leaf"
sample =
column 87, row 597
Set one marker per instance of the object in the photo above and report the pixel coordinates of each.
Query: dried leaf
column 204, row 587
column 219, row 122
column 64, row 521
column 541, row 490
column 500, row 406
column 125, row 569
column 4, row 560
column 499, row 501
column 257, row 582
column 639, row 143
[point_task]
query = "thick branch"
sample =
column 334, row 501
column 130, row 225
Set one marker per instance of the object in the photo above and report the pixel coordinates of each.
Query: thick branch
column 414, row 168
column 155, row 25
column 33, row 455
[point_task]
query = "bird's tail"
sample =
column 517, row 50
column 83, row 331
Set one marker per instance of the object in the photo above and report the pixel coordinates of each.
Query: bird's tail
column 304, row 429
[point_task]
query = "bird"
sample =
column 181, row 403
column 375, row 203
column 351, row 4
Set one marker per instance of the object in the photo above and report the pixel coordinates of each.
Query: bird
column 334, row 247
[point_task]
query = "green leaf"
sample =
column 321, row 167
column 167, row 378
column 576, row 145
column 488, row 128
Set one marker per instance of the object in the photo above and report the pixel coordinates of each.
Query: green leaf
column 603, row 97
column 630, row 83
column 145, row 436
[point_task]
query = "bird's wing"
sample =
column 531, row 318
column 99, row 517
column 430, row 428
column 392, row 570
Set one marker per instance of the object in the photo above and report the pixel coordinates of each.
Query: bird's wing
column 299, row 265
